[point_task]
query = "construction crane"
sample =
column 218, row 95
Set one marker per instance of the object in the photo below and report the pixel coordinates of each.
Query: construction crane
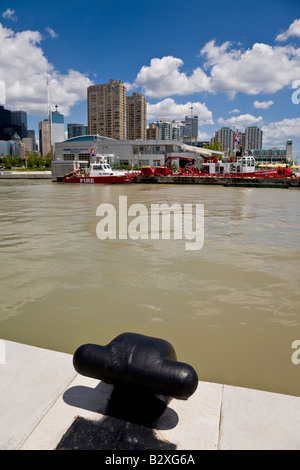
column 200, row 150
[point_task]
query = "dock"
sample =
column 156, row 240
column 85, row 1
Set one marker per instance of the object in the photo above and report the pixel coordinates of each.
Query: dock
column 25, row 175
column 46, row 405
column 227, row 181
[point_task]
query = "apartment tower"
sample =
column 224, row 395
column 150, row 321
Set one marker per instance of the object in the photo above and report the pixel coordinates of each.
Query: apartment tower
column 107, row 110
column 136, row 117
column 253, row 138
column 225, row 136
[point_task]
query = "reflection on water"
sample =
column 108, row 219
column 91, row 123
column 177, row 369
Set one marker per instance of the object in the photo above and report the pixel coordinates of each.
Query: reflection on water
column 230, row 309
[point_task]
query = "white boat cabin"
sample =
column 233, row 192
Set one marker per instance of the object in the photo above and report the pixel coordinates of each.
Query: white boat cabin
column 243, row 165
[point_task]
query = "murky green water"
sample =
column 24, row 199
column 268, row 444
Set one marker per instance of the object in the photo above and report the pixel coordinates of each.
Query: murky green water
column 230, row 309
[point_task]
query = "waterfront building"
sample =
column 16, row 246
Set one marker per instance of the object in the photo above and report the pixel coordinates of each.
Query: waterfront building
column 225, row 136
column 268, row 156
column 107, row 110
column 76, row 130
column 10, row 147
column 253, row 138
column 19, row 119
column 44, row 137
column 124, row 152
column 136, row 117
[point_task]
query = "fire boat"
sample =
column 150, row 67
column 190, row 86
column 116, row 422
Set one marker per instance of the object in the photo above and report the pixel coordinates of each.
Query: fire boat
column 240, row 167
column 99, row 172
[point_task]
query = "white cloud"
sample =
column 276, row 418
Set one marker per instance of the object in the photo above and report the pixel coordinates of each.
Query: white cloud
column 169, row 108
column 243, row 120
column 263, row 104
column 234, row 111
column 9, row 14
column 293, row 30
column 51, row 32
column 260, row 69
column 277, row 133
column 163, row 78
column 26, row 75
column 204, row 136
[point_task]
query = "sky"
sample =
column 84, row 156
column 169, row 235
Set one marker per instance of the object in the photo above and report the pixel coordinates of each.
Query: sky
column 235, row 63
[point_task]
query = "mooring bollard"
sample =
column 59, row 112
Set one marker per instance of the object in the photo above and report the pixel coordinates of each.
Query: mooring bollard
column 138, row 361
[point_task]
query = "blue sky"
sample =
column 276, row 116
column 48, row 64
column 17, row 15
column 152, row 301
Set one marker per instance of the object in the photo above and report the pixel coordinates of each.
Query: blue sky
column 235, row 63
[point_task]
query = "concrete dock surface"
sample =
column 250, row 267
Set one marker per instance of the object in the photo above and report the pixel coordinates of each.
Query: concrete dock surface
column 46, row 405
column 25, row 175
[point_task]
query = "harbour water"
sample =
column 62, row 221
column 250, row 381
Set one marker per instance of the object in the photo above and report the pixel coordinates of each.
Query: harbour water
column 230, row 309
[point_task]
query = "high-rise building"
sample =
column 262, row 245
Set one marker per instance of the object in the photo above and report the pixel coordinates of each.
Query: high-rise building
column 107, row 110
column 9, row 126
column 31, row 133
column 19, row 118
column 225, row 136
column 152, row 132
column 76, row 130
column 57, row 127
column 289, row 149
column 44, row 137
column 136, row 117
column 5, row 123
column 164, row 126
column 253, row 138
column 190, row 127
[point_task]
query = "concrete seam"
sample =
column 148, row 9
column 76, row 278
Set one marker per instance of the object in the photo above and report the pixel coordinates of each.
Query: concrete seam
column 45, row 413
column 220, row 420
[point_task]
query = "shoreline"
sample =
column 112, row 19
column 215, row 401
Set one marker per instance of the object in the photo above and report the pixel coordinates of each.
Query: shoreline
column 8, row 175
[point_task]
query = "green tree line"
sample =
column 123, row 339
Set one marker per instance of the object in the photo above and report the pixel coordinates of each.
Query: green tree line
column 30, row 161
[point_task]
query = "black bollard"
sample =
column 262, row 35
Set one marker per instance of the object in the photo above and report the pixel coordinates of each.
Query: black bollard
column 138, row 362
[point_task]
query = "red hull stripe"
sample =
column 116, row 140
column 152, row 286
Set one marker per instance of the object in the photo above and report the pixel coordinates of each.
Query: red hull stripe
column 99, row 179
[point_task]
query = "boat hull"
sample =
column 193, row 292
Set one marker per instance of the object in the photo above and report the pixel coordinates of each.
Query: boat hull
column 109, row 179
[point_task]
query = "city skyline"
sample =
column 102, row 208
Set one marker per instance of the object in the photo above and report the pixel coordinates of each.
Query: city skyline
column 236, row 67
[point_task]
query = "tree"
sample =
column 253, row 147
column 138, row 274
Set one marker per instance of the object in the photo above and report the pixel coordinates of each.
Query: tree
column 10, row 161
column 35, row 161
column 216, row 146
column 48, row 160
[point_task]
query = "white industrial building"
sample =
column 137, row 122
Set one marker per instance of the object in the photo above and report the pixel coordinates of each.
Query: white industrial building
column 123, row 152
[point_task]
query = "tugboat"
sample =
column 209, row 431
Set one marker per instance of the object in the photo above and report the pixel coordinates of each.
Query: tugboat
column 99, row 172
